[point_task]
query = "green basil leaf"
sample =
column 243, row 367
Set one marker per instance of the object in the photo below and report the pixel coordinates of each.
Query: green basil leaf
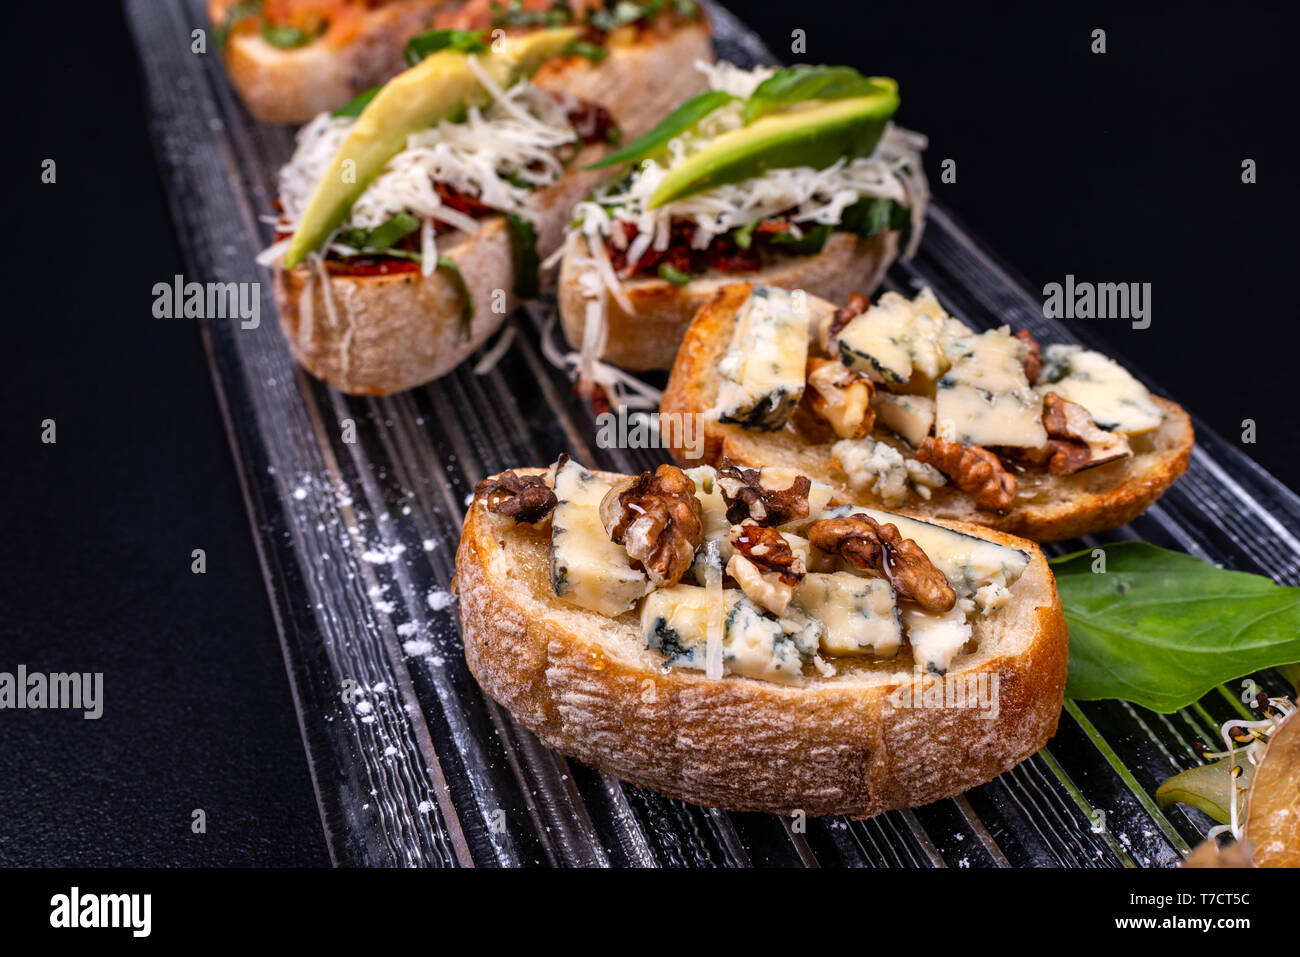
column 622, row 14
column 523, row 256
column 798, row 84
column 869, row 217
column 434, row 41
column 390, row 231
column 285, row 37
column 675, row 123
column 514, row 15
column 673, row 275
column 809, row 244
column 238, row 12
column 1161, row 628
column 686, row 9
column 467, row 306
column 354, row 106
column 590, row 51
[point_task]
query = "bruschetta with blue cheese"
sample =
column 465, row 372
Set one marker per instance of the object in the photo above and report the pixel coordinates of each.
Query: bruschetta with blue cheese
column 738, row 638
column 902, row 405
column 793, row 177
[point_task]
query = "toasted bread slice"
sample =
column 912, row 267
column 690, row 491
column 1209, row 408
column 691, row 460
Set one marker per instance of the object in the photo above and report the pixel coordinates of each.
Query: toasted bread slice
column 649, row 338
column 1048, row 507
column 292, row 86
column 638, row 83
column 586, row 685
column 376, row 335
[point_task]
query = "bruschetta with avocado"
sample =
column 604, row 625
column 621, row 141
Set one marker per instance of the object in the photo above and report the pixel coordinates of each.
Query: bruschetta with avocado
column 794, row 177
column 292, row 59
column 738, row 638
column 411, row 225
column 901, row 405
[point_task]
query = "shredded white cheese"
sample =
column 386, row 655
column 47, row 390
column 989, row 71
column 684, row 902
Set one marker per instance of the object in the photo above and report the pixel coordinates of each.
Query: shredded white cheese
column 497, row 155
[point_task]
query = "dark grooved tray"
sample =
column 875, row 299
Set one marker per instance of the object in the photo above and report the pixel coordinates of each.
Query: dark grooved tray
column 356, row 537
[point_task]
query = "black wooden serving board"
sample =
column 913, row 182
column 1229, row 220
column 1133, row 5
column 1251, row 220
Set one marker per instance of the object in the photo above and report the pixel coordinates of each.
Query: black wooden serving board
column 412, row 763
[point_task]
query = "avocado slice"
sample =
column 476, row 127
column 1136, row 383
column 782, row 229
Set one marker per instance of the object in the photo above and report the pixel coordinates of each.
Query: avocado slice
column 815, row 135
column 438, row 87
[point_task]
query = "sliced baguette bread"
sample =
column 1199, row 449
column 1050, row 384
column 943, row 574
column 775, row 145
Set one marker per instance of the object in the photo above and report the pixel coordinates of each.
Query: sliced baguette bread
column 292, row 86
column 847, row 744
column 649, row 337
column 1047, row 507
column 380, row 334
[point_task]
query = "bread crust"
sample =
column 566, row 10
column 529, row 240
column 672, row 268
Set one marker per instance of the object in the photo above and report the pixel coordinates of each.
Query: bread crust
column 292, row 86
column 1049, row 508
column 649, row 339
column 586, row 686
column 388, row 333
column 638, row 84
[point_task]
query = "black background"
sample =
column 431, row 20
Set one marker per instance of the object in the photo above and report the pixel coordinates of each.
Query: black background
column 1122, row 167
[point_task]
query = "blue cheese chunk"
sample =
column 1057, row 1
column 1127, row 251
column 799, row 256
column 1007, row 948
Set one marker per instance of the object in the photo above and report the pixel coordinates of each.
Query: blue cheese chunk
column 859, row 614
column 1116, row 401
column 674, row 622
column 763, row 371
column 882, row 470
column 911, row 416
column 937, row 639
column 897, row 341
column 985, row 398
column 587, row 569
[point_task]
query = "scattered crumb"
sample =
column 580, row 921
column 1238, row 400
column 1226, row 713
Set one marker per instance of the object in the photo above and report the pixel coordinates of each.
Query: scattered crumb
column 439, row 599
column 417, row 647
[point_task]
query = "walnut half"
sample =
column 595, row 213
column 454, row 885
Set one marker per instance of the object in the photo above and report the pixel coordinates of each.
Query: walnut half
column 525, row 498
column 765, row 566
column 748, row 496
column 1077, row 442
column 656, row 517
column 841, row 396
column 972, row 469
column 870, row 546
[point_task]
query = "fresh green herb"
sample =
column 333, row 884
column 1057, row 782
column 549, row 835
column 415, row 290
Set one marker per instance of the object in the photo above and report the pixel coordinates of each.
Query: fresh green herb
column 354, row 106
column 590, row 51
column 285, row 37
column 809, row 244
column 622, row 14
column 869, row 217
column 523, row 256
column 673, row 275
column 514, row 15
column 238, row 12
column 382, row 237
column 461, row 41
column 745, row 235
column 467, row 297
column 674, row 124
column 1160, row 628
column 798, row 84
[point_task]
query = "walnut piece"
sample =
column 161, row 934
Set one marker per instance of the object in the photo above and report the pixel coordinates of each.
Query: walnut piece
column 1077, row 442
column 747, row 496
column 856, row 306
column 972, row 469
column 656, row 517
column 841, row 396
column 765, row 566
column 525, row 498
column 870, row 546
column 1033, row 361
